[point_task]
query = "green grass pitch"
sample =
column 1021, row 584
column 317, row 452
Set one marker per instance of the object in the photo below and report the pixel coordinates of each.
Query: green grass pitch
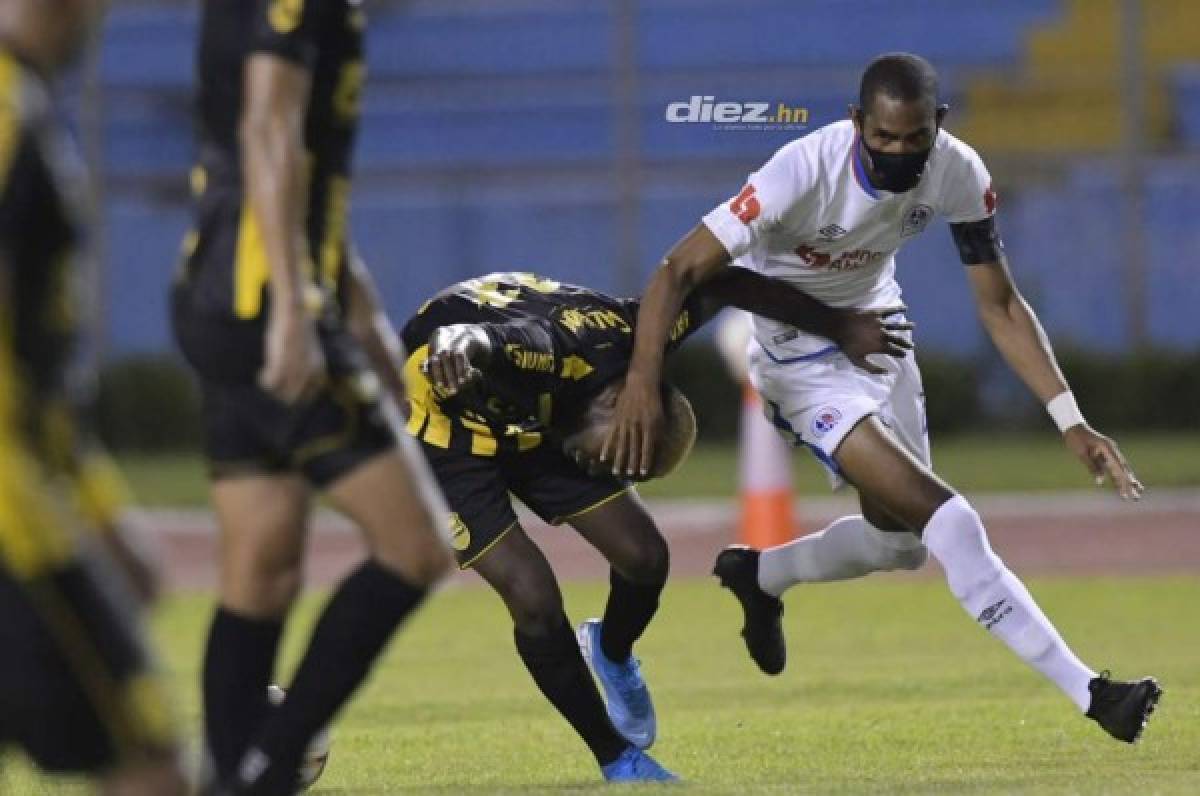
column 890, row 688
column 1160, row 460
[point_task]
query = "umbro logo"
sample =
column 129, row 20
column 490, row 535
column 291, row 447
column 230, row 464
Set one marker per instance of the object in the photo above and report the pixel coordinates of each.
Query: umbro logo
column 831, row 232
column 992, row 615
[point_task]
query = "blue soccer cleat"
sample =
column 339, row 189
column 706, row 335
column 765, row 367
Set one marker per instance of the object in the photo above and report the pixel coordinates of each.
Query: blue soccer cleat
column 628, row 698
column 634, row 765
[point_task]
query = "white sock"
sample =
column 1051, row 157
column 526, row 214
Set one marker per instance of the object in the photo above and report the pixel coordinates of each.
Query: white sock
column 849, row 548
column 998, row 601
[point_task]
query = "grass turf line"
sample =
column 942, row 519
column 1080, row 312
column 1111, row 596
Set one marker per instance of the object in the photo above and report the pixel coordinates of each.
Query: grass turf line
column 973, row 464
column 890, row 688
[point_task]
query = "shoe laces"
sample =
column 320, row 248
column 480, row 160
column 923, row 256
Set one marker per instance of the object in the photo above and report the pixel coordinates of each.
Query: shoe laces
column 627, row 677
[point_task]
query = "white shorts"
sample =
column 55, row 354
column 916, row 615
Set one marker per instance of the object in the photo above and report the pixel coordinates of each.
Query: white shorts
column 815, row 400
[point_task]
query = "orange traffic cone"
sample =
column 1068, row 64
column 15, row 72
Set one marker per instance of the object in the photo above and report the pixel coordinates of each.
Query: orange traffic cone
column 765, row 470
column 764, row 458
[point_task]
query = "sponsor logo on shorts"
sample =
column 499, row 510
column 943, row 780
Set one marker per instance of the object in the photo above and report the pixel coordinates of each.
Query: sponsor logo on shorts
column 826, row 418
column 780, row 339
column 460, row 534
column 915, row 220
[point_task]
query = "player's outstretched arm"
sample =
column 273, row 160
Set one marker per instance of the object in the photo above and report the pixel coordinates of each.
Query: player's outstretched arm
column 638, row 415
column 272, row 150
column 857, row 333
column 1014, row 328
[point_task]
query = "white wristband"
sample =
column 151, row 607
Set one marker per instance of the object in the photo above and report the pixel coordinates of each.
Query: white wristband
column 1064, row 411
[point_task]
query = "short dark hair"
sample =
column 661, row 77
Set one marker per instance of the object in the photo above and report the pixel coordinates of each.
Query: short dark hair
column 901, row 76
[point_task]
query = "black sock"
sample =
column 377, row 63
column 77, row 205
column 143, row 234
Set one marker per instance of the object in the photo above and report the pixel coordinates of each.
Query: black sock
column 238, row 662
column 560, row 672
column 630, row 608
column 357, row 623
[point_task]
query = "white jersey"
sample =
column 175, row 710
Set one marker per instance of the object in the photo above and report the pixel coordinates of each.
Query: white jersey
column 809, row 216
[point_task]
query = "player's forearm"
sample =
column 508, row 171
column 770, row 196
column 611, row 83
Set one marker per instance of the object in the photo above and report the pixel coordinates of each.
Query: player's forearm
column 273, row 167
column 696, row 259
column 1018, row 335
column 370, row 326
column 773, row 299
column 659, row 306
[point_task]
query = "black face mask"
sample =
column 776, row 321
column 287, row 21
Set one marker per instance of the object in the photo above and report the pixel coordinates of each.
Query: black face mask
column 897, row 173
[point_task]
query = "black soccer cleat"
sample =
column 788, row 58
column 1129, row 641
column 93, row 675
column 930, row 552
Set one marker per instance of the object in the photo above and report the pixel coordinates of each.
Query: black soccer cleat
column 737, row 569
column 1121, row 708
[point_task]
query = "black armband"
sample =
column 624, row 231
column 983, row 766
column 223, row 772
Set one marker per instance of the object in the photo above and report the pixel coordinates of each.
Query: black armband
column 978, row 241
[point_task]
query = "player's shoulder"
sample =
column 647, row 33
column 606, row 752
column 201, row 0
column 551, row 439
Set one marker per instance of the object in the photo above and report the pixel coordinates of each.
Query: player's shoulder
column 954, row 154
column 823, row 145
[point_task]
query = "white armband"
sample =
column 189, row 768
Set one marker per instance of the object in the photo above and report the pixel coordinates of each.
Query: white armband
column 1064, row 411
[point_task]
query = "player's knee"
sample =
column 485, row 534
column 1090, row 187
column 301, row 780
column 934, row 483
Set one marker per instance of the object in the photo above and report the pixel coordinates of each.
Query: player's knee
column 965, row 553
column 536, row 608
column 650, row 559
column 419, row 554
column 264, row 586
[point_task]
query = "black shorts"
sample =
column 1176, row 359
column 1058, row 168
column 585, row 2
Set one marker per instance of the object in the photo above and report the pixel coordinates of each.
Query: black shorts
column 478, row 488
column 77, row 691
column 247, row 431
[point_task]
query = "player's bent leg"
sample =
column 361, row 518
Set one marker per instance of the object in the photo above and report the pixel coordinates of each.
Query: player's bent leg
column 520, row 574
column 953, row 532
column 263, row 521
column 391, row 498
column 624, row 532
column 408, row 555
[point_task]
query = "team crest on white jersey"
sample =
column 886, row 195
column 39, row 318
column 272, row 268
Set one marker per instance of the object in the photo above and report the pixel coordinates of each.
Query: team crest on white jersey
column 915, row 220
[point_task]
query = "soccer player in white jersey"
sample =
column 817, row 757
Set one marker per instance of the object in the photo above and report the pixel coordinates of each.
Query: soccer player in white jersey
column 826, row 214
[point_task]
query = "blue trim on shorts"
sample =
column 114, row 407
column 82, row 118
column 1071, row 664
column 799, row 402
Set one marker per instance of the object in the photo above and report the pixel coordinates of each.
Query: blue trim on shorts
column 780, row 422
column 805, row 358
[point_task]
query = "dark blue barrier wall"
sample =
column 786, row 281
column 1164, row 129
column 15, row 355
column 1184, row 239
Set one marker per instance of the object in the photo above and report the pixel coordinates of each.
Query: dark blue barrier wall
column 489, row 136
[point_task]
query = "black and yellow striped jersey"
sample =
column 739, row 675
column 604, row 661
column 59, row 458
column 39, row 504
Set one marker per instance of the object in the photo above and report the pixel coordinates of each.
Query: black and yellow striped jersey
column 41, row 183
column 225, row 268
column 554, row 347
column 41, row 177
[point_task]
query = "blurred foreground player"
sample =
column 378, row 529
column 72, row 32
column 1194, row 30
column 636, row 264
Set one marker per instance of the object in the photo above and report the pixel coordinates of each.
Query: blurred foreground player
column 280, row 323
column 77, row 688
column 512, row 379
column 827, row 213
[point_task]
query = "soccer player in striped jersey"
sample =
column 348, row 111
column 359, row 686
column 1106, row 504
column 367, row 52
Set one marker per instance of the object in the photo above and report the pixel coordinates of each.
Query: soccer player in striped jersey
column 78, row 688
column 280, row 323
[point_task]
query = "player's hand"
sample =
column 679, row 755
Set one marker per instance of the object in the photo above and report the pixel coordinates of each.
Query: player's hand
column 637, row 421
column 451, row 352
column 1103, row 459
column 294, row 367
column 861, row 333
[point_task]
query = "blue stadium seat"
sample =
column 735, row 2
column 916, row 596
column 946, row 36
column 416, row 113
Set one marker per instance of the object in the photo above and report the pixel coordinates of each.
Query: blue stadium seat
column 1186, row 94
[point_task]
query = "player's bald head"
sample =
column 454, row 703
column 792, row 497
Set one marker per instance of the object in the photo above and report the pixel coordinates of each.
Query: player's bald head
column 900, row 76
